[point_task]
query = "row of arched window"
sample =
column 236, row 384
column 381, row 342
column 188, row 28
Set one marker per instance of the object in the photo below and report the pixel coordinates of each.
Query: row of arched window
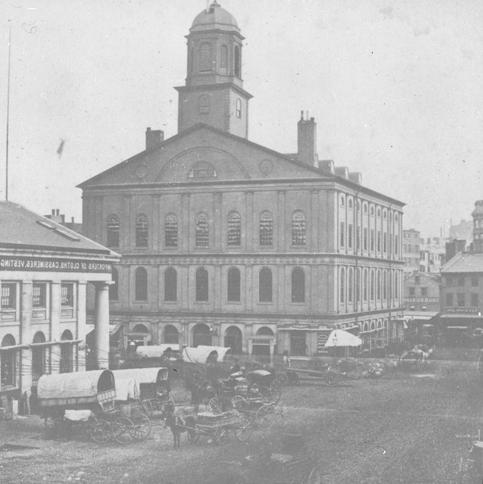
column 207, row 58
column 356, row 284
column 202, row 282
column 203, row 224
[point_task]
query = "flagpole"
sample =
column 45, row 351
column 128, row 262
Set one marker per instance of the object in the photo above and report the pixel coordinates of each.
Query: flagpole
column 7, row 127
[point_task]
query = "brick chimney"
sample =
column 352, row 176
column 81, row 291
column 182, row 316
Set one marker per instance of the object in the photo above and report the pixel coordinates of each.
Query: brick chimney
column 154, row 137
column 307, row 140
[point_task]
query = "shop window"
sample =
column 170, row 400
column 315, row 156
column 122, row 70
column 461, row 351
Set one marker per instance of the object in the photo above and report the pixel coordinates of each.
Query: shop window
column 67, row 300
column 8, row 301
column 39, row 300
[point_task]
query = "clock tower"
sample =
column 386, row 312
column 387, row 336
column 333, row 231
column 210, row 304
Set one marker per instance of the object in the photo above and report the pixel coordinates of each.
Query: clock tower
column 213, row 93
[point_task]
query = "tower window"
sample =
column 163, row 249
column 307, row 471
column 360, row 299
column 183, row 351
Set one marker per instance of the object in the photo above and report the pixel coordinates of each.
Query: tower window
column 238, row 109
column 205, row 57
column 237, row 62
column 204, row 104
column 224, row 56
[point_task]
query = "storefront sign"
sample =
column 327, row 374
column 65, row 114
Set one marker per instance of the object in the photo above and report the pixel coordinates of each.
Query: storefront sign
column 37, row 264
column 462, row 310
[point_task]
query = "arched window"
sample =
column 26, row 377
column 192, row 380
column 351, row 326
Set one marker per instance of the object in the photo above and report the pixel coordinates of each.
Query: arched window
column 234, row 339
column 202, row 170
column 170, row 284
column 378, row 284
column 298, row 285
column 358, row 284
column 171, row 230
column 38, row 356
column 205, row 57
column 233, row 286
column 114, row 287
column 141, row 231
column 238, row 108
column 202, row 286
column 9, row 362
column 384, row 284
column 201, row 335
column 224, row 56
column 66, row 364
column 171, row 334
column 113, row 230
column 265, row 285
column 365, row 284
column 350, row 284
column 299, row 229
column 234, row 229
column 141, row 284
column 237, row 62
column 342, row 285
column 266, row 228
column 372, row 285
column 204, row 104
column 396, row 285
column 202, row 234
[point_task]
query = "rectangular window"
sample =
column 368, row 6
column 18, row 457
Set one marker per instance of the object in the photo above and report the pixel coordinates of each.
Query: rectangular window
column 461, row 299
column 461, row 281
column 379, row 241
column 67, row 300
column 365, row 238
column 449, row 299
column 39, row 295
column 349, row 236
column 424, row 291
column 171, row 232
column 474, row 281
column 372, row 239
column 342, row 230
column 9, row 295
column 412, row 291
column 358, row 238
column 384, row 242
column 474, row 300
column 266, row 232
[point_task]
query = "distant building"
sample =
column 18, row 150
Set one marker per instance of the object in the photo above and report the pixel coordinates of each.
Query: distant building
column 59, row 218
column 411, row 250
column 44, row 272
column 421, row 291
column 461, row 231
column 454, row 247
column 478, row 227
column 432, row 254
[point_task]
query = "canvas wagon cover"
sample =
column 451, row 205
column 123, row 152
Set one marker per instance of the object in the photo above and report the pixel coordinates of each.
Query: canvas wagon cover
column 201, row 353
column 126, row 388
column 155, row 351
column 70, row 385
column 142, row 375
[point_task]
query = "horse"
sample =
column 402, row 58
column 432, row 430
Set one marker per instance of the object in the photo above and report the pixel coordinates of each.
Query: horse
column 177, row 424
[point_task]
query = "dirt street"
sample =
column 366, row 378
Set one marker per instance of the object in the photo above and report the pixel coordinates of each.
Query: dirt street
column 398, row 429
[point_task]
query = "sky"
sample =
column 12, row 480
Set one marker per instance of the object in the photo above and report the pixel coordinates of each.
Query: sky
column 396, row 88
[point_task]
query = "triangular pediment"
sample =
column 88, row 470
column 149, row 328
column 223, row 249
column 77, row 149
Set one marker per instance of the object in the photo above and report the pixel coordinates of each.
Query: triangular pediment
column 203, row 154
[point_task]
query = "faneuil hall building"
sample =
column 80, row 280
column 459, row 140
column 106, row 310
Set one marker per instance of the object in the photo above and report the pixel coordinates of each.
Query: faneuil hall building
column 231, row 243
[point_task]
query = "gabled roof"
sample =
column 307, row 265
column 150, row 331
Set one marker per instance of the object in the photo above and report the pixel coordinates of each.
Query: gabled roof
column 21, row 228
column 288, row 158
column 464, row 262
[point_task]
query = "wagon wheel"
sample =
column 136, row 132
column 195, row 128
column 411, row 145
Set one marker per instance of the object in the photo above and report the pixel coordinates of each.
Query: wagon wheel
column 239, row 403
column 265, row 415
column 315, row 476
column 100, row 431
column 141, row 428
column 244, row 430
column 281, row 379
column 121, row 428
column 215, row 405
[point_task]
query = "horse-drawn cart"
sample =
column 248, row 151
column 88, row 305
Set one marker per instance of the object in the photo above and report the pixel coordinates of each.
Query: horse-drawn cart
column 86, row 400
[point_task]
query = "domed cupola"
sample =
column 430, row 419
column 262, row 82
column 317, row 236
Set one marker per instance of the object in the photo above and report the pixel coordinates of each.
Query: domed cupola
column 213, row 92
column 214, row 17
